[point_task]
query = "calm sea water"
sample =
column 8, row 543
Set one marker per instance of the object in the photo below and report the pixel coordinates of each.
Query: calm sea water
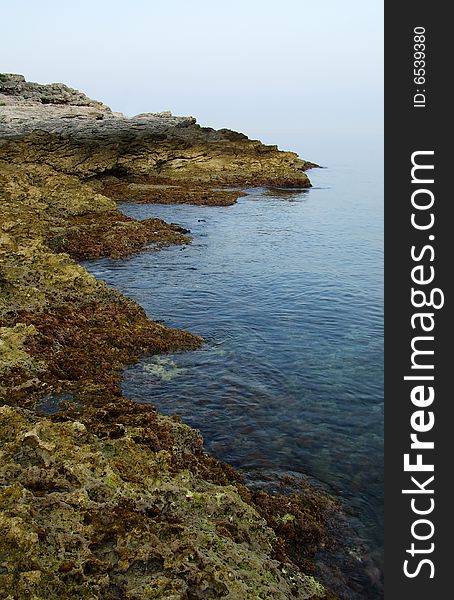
column 287, row 289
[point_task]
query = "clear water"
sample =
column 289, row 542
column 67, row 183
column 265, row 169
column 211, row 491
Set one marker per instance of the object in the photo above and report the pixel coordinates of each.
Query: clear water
column 286, row 288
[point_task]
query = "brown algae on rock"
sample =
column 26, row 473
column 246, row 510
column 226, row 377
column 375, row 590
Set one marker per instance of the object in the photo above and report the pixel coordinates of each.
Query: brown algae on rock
column 87, row 517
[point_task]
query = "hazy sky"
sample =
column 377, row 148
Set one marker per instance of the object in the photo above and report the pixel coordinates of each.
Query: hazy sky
column 257, row 66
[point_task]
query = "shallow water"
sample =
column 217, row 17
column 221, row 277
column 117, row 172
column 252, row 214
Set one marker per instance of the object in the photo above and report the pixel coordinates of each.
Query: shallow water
column 286, row 288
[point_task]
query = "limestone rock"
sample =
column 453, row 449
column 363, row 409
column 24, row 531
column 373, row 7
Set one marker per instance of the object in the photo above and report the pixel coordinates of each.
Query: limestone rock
column 83, row 137
column 17, row 87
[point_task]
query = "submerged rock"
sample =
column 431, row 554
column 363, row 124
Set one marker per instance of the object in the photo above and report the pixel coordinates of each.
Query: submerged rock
column 164, row 369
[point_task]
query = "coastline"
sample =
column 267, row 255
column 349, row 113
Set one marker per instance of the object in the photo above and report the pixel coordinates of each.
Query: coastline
column 107, row 495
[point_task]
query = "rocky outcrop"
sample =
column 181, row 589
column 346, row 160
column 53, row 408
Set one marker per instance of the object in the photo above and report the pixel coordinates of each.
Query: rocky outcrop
column 27, row 93
column 106, row 498
column 89, row 141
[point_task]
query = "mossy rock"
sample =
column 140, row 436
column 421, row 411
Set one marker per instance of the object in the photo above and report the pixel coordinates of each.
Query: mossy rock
column 84, row 517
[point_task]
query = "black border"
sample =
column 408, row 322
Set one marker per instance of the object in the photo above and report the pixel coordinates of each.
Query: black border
column 409, row 129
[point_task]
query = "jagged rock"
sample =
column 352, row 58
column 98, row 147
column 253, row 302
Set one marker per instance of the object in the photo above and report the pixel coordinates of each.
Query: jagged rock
column 17, row 87
column 84, row 138
column 82, row 517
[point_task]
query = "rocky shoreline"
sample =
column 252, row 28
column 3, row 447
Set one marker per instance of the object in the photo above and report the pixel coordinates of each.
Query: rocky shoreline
column 107, row 498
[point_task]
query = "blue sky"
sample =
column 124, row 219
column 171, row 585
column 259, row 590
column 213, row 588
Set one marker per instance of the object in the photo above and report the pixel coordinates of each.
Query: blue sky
column 271, row 67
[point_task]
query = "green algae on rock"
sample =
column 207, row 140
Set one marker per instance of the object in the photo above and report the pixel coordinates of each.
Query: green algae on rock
column 82, row 331
column 84, row 517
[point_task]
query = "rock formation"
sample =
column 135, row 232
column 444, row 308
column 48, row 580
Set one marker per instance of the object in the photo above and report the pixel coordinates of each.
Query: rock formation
column 106, row 498
column 142, row 156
